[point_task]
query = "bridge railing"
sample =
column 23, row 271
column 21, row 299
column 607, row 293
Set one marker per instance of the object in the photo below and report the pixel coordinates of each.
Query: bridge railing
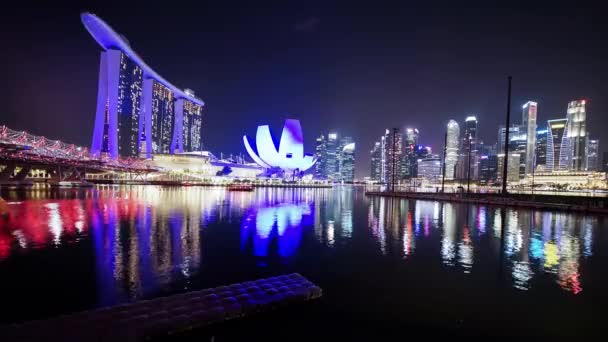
column 30, row 147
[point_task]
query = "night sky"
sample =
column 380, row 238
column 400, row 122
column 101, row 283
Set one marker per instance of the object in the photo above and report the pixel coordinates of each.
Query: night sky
column 358, row 70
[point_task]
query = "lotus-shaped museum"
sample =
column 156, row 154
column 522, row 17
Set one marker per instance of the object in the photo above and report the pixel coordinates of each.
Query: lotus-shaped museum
column 289, row 155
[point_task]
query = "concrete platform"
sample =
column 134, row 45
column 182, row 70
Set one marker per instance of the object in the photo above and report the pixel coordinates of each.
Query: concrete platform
column 164, row 316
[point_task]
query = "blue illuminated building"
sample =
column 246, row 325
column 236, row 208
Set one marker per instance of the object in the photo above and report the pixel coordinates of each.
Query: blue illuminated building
column 138, row 112
column 288, row 156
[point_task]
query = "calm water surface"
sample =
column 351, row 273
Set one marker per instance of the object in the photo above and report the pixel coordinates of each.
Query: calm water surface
column 383, row 263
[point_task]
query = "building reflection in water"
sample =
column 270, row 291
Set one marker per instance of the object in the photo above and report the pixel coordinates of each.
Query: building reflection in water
column 281, row 224
column 147, row 240
column 333, row 220
column 536, row 243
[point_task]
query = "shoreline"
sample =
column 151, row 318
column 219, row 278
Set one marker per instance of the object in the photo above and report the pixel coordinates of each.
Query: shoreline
column 584, row 205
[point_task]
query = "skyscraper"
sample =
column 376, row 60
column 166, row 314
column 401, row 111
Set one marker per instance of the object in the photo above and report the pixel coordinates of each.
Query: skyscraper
column 468, row 150
column 452, row 149
column 429, row 168
column 577, row 135
column 331, row 155
column 513, row 167
column 162, row 118
column 321, row 155
column 409, row 163
column 136, row 108
column 488, row 168
column 376, row 162
column 558, row 145
column 383, row 162
column 513, row 130
column 192, row 120
column 518, row 144
column 605, row 162
column 529, row 126
column 592, row 154
column 347, row 161
column 394, row 154
column 541, row 148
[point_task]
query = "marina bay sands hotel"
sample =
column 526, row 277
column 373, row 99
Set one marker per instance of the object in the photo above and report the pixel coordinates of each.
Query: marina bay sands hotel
column 138, row 112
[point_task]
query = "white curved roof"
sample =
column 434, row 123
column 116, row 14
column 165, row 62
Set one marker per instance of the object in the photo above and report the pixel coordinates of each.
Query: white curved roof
column 110, row 39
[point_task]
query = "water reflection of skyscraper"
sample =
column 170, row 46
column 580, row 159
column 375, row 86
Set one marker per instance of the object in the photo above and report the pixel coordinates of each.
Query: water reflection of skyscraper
column 334, row 215
column 448, row 241
column 161, row 248
column 534, row 242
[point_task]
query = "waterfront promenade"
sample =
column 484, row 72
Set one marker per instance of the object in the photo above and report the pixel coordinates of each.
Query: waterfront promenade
column 595, row 205
column 165, row 316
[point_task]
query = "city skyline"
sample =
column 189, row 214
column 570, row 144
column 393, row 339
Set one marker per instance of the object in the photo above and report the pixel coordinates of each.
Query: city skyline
column 374, row 102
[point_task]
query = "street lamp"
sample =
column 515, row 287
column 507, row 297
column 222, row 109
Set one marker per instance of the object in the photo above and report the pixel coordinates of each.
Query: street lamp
column 533, row 167
column 507, row 125
column 469, row 165
column 445, row 151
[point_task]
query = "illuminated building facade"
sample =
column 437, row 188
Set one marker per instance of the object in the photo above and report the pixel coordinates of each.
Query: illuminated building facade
column 512, row 167
column 376, row 161
column 452, row 149
column 558, row 145
column 290, row 154
column 592, row 154
column 192, row 122
column 529, row 114
column 409, row 163
column 394, row 155
column 430, row 168
column 518, row 143
column 488, row 168
column 469, row 150
column 335, row 158
column 541, row 148
column 347, row 161
column 379, row 155
column 162, row 118
column 128, row 101
column 513, row 130
column 331, row 156
column 138, row 112
column 321, row 155
column 577, row 135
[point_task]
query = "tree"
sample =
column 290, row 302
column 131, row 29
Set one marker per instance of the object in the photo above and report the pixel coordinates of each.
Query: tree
column 226, row 170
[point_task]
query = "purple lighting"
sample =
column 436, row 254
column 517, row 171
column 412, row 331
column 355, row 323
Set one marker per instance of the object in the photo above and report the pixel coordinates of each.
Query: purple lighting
column 283, row 222
column 290, row 154
column 138, row 111
column 112, row 40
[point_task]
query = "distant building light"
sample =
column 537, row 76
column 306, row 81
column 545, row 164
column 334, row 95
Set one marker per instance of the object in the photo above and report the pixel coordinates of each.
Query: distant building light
column 332, row 136
column 470, row 118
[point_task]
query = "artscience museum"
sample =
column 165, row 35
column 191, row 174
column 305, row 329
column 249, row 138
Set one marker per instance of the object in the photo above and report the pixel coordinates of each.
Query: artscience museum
column 287, row 156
